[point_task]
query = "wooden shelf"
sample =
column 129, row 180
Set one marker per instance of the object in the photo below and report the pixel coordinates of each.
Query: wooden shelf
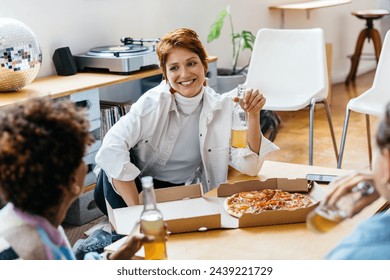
column 60, row 86
column 307, row 6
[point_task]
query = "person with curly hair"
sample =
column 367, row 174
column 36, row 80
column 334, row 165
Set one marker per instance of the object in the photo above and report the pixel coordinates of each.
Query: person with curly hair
column 42, row 144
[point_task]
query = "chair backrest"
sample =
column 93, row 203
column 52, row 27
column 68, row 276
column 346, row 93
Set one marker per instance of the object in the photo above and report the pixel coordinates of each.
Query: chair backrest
column 382, row 74
column 288, row 61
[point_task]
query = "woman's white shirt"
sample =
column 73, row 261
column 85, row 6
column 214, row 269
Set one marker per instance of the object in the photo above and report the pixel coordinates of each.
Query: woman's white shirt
column 151, row 129
column 185, row 158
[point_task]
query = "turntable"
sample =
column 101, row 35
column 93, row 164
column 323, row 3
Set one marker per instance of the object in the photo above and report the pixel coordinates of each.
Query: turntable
column 132, row 56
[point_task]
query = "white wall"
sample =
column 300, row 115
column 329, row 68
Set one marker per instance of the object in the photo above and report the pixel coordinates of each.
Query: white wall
column 83, row 24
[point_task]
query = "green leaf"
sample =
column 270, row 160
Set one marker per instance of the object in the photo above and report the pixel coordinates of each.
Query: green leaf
column 249, row 40
column 240, row 41
column 236, row 36
column 215, row 29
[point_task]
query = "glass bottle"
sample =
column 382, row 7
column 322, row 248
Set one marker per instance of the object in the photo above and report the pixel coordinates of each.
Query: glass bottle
column 152, row 223
column 325, row 217
column 239, row 138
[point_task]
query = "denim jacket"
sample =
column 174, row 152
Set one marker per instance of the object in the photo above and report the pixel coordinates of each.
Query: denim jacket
column 369, row 241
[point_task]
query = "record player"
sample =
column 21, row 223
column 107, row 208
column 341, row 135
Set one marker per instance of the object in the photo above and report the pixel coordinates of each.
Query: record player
column 132, row 56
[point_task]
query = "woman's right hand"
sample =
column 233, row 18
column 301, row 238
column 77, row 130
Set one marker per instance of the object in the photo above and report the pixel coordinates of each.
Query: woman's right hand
column 134, row 242
column 130, row 247
column 344, row 185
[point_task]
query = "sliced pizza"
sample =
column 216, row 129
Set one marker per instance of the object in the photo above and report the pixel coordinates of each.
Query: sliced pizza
column 269, row 199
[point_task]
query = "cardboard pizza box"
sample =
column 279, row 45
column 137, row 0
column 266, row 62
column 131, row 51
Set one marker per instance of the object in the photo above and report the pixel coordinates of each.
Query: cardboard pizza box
column 184, row 209
column 271, row 217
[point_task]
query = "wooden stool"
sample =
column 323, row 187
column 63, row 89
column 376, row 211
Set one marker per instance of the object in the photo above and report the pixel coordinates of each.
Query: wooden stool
column 368, row 33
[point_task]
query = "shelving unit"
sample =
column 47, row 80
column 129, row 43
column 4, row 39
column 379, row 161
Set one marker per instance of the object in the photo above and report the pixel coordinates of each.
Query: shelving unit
column 60, row 86
column 306, row 6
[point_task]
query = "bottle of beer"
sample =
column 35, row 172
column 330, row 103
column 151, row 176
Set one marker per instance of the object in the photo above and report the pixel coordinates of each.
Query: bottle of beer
column 325, row 217
column 152, row 223
column 239, row 137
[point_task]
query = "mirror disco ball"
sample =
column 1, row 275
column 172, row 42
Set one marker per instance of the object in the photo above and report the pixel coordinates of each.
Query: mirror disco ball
column 20, row 55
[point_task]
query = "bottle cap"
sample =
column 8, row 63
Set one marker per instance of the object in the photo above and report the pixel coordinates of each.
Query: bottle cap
column 147, row 181
column 241, row 88
column 364, row 187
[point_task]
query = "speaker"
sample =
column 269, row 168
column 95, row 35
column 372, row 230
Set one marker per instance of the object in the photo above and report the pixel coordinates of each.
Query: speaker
column 64, row 62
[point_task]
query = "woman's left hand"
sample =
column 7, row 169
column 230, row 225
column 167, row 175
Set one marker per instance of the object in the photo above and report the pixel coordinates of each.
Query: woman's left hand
column 130, row 247
column 253, row 101
column 344, row 186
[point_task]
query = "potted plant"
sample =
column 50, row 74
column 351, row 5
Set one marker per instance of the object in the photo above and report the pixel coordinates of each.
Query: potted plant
column 230, row 78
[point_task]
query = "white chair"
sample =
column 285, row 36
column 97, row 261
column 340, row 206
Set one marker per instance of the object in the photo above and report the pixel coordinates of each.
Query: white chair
column 372, row 101
column 289, row 67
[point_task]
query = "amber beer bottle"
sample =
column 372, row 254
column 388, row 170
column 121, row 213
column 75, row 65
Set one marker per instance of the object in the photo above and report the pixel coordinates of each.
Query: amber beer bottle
column 239, row 137
column 152, row 223
column 325, row 217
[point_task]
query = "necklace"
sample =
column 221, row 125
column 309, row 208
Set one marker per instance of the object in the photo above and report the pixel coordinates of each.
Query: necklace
column 186, row 115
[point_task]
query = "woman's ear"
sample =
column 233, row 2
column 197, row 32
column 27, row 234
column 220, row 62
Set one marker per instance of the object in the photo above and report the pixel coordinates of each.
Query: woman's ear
column 386, row 167
column 76, row 189
column 79, row 175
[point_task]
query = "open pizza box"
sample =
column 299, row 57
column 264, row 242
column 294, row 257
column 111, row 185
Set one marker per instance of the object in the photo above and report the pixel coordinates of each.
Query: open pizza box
column 271, row 217
column 186, row 209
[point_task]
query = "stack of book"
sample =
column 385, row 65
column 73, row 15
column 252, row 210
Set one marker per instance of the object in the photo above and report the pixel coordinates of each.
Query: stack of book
column 110, row 113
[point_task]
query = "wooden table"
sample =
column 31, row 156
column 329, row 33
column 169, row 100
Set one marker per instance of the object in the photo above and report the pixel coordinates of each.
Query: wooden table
column 280, row 242
column 306, row 6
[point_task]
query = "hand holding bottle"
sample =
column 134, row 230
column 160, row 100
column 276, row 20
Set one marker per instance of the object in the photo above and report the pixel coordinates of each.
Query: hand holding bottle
column 239, row 121
column 132, row 245
column 350, row 195
column 345, row 185
column 248, row 104
column 253, row 101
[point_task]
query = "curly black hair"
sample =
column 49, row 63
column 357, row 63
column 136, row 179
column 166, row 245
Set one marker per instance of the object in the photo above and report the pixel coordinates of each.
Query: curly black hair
column 42, row 143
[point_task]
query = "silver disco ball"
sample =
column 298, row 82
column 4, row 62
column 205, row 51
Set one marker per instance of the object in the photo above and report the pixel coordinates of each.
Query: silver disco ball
column 20, row 55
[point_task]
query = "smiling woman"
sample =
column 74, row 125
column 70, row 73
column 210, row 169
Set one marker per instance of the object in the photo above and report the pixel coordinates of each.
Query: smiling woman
column 179, row 131
column 183, row 61
column 185, row 72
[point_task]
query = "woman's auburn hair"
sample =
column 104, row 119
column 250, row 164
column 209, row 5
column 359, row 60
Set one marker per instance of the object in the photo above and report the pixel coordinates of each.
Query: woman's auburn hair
column 180, row 38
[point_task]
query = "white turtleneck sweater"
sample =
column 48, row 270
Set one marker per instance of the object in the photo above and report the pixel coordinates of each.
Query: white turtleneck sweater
column 185, row 157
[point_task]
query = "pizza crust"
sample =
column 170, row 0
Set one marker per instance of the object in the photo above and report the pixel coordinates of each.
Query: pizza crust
column 256, row 202
column 228, row 209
